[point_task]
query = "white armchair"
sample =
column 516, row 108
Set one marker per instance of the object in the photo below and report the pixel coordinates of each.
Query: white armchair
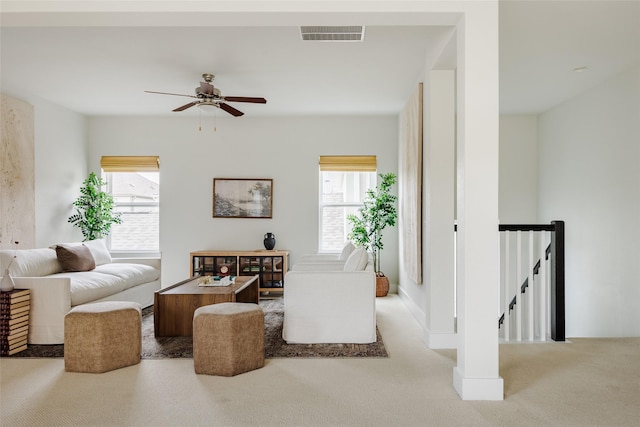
column 337, row 258
column 329, row 305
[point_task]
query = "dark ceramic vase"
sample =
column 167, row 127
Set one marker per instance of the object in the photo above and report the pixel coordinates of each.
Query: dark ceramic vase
column 269, row 241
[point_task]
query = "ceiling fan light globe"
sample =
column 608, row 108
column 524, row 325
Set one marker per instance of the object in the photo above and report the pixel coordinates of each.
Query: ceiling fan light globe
column 208, row 106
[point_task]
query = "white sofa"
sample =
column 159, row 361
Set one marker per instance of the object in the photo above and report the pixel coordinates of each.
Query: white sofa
column 54, row 292
column 325, row 304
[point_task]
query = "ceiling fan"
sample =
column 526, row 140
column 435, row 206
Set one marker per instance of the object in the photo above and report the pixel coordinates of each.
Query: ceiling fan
column 206, row 94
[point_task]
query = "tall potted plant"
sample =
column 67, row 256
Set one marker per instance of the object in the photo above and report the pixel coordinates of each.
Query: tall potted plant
column 94, row 209
column 378, row 212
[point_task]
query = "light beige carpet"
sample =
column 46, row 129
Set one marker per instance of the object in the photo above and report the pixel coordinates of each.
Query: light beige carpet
column 588, row 382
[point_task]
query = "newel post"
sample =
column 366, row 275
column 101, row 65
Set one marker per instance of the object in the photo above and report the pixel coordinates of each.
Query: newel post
column 557, row 282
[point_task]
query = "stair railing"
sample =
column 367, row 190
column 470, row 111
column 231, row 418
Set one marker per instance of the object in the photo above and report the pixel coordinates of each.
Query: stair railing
column 532, row 301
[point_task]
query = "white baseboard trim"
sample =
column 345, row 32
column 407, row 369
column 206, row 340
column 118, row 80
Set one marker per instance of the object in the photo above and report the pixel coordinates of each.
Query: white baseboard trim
column 431, row 339
column 478, row 388
column 442, row 341
column 414, row 309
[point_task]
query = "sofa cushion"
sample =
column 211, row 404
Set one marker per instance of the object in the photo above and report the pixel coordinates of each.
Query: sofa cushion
column 346, row 251
column 75, row 258
column 87, row 286
column 358, row 260
column 30, row 262
column 99, row 251
column 132, row 274
column 97, row 247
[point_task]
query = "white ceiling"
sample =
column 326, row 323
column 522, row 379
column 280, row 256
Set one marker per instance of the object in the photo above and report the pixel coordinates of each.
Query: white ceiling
column 104, row 70
column 541, row 42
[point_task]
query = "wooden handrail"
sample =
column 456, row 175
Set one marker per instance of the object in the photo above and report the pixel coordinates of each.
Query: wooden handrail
column 526, row 227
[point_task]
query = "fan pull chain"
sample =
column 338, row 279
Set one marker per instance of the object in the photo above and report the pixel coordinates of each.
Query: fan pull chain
column 199, row 120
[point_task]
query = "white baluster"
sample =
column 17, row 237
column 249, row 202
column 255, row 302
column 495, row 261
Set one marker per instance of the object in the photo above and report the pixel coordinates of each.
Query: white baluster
column 505, row 287
column 530, row 291
column 518, row 285
column 544, row 283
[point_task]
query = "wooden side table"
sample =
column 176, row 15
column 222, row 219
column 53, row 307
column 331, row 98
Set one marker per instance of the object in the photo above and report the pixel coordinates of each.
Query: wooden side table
column 14, row 321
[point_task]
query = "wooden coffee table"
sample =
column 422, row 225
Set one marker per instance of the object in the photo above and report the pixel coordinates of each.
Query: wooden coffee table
column 173, row 307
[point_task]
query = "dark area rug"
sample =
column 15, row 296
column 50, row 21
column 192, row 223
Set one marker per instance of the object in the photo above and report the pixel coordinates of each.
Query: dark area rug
column 275, row 346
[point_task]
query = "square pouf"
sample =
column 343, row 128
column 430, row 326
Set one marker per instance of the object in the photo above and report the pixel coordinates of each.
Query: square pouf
column 102, row 336
column 228, row 339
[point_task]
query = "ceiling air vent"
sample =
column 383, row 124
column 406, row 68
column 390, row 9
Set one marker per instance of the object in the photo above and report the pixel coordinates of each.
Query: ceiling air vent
column 353, row 33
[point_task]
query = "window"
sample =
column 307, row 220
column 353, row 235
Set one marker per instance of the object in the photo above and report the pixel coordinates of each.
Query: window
column 134, row 183
column 344, row 181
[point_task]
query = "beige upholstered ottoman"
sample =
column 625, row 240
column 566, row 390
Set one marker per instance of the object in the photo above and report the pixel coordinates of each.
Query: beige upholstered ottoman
column 228, row 339
column 102, row 336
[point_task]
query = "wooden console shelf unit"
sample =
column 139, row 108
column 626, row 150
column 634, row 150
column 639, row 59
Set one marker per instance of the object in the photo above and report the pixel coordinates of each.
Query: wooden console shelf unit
column 270, row 266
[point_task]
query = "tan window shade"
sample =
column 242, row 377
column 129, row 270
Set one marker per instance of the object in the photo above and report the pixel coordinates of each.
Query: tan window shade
column 130, row 163
column 348, row 163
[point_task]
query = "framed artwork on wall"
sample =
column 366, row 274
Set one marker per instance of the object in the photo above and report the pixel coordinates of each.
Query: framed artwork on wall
column 410, row 189
column 17, row 180
column 242, row 198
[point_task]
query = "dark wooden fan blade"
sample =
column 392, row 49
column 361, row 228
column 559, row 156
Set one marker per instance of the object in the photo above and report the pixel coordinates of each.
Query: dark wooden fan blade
column 184, row 107
column 245, row 99
column 229, row 109
column 167, row 93
column 206, row 88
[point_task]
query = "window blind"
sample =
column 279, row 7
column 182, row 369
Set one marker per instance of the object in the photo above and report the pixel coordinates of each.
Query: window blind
column 348, row 163
column 130, row 163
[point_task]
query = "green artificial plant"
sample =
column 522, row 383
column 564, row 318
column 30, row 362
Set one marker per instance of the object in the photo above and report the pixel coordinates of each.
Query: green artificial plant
column 378, row 212
column 94, row 209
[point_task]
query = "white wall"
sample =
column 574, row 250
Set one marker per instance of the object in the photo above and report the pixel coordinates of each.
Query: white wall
column 589, row 176
column 60, row 167
column 432, row 300
column 518, row 186
column 285, row 149
column 439, row 210
column 439, row 60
